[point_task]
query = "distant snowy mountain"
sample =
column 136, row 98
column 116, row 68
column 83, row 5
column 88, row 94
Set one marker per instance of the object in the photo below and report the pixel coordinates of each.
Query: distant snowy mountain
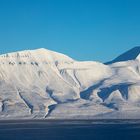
column 42, row 84
column 129, row 55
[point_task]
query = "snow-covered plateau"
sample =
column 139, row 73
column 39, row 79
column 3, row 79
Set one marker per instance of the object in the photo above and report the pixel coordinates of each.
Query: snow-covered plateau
column 42, row 84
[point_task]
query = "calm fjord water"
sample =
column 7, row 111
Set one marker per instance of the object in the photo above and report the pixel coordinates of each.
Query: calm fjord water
column 70, row 130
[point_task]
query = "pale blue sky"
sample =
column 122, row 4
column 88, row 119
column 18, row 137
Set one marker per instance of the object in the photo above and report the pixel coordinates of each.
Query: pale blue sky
column 83, row 29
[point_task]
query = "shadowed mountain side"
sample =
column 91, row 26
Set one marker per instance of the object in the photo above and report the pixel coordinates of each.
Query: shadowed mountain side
column 131, row 54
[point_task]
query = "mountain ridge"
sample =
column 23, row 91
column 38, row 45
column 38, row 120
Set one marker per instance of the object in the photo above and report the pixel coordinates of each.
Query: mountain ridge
column 38, row 53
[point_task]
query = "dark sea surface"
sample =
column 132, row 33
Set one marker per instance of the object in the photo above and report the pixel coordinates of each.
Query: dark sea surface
column 70, row 130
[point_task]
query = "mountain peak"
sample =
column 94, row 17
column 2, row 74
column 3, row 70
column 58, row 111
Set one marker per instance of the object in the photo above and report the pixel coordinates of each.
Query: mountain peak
column 131, row 54
column 40, row 54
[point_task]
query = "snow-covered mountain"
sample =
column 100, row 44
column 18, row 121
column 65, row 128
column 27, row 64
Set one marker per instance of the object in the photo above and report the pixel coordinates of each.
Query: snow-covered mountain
column 43, row 84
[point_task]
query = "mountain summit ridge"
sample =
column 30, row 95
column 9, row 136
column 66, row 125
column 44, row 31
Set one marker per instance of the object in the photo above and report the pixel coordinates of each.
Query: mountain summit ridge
column 37, row 54
column 131, row 54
